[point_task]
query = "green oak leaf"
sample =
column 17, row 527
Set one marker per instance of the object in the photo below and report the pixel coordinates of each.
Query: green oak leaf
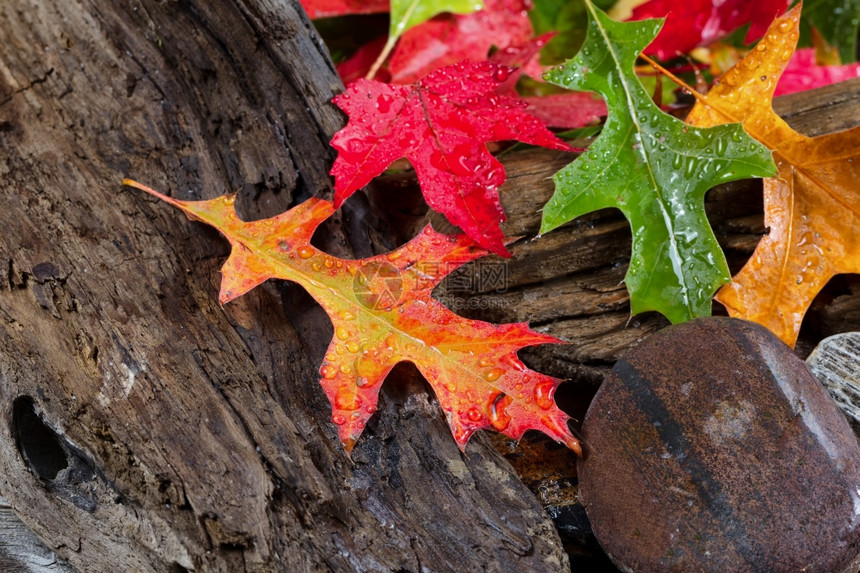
column 655, row 169
column 837, row 21
column 406, row 14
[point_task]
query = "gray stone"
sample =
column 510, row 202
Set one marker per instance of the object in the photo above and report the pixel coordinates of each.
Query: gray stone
column 711, row 447
column 836, row 364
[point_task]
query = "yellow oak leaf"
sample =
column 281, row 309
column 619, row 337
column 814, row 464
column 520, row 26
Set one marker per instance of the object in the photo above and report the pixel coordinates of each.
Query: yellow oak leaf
column 812, row 207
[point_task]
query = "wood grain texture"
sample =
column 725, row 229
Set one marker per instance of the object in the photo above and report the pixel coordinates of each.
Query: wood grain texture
column 146, row 428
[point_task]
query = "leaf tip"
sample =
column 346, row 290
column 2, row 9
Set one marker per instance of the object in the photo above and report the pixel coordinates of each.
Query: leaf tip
column 574, row 444
column 348, row 444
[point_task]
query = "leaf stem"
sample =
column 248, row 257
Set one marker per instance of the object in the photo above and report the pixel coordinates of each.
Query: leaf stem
column 394, row 33
column 386, row 50
column 674, row 78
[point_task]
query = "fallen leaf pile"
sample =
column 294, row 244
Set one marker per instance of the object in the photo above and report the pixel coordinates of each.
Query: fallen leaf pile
column 653, row 167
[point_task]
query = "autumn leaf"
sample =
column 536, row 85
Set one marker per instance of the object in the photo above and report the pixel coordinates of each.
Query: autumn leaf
column 441, row 124
column 653, row 168
column 837, row 21
column 383, row 313
column 696, row 22
column 812, row 208
column 450, row 38
column 802, row 73
column 330, row 8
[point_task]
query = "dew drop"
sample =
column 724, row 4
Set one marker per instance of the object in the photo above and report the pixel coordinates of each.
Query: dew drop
column 543, row 394
column 514, row 362
column 493, row 374
column 353, row 346
column 474, row 415
column 306, row 252
column 346, row 399
column 499, row 418
column 342, row 332
column 346, row 315
column 338, row 419
column 391, row 342
column 328, row 371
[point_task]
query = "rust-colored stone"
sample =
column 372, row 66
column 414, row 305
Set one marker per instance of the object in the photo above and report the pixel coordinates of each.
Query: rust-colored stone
column 711, row 447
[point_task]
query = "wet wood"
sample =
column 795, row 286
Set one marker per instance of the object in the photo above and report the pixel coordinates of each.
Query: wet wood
column 836, row 364
column 146, row 428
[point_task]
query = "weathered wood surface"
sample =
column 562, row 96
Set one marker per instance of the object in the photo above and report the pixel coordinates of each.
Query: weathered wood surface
column 145, row 428
column 21, row 551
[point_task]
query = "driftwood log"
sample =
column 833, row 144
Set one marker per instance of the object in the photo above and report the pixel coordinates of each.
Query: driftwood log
column 145, row 427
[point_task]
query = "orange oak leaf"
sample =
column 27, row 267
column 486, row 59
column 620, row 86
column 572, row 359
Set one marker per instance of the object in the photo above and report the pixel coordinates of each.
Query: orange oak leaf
column 383, row 313
column 812, row 208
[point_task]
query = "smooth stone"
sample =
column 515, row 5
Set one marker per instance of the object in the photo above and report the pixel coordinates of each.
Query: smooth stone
column 711, row 447
column 836, row 364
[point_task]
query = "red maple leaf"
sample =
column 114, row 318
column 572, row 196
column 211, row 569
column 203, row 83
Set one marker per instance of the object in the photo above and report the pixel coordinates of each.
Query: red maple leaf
column 450, row 38
column 441, row 124
column 331, row 8
column 696, row 22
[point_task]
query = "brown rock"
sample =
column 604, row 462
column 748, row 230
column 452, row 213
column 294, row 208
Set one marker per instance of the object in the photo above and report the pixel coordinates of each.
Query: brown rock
column 711, row 447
